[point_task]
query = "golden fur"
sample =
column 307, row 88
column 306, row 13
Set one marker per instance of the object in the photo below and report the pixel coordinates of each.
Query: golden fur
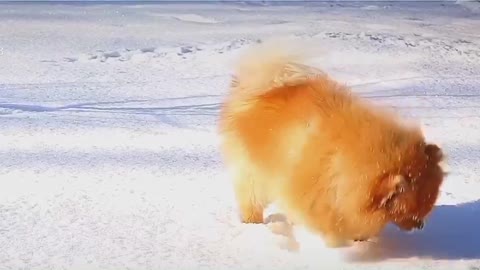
column 338, row 165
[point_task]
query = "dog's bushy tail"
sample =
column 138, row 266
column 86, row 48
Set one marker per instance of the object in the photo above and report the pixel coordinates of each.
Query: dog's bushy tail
column 271, row 64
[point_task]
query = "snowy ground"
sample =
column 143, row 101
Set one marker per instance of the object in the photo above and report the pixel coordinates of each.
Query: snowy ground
column 109, row 155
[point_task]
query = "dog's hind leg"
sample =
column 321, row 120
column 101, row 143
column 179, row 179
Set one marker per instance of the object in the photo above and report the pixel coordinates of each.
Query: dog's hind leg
column 250, row 203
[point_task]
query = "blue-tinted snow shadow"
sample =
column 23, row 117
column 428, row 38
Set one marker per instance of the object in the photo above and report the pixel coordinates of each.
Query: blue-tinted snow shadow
column 452, row 232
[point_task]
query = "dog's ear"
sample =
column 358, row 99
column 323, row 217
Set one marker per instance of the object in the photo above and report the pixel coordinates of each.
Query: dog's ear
column 389, row 188
column 434, row 153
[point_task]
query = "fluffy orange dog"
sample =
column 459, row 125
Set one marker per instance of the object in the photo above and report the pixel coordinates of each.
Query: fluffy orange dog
column 331, row 161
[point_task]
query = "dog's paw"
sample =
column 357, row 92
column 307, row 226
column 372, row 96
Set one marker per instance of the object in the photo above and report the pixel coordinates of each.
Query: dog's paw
column 360, row 239
column 336, row 242
column 283, row 233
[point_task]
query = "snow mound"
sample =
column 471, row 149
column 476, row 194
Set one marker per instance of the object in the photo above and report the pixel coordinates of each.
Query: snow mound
column 195, row 18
